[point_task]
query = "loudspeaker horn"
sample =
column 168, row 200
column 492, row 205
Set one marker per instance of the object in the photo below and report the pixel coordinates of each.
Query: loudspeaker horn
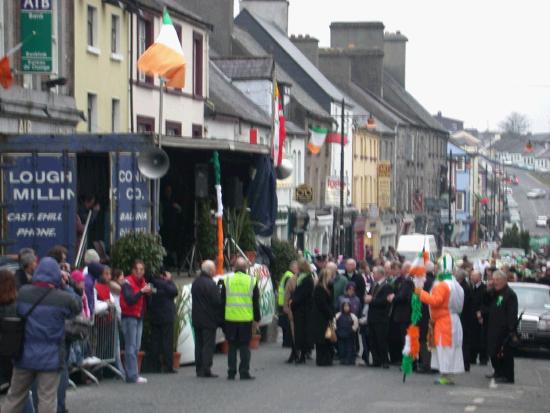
column 153, row 163
column 284, row 170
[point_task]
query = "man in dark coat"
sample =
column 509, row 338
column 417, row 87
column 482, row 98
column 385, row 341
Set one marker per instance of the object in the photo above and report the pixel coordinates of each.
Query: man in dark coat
column 27, row 264
column 425, row 354
column 163, row 311
column 239, row 333
column 356, row 277
column 403, row 288
column 206, row 317
column 467, row 317
column 379, row 300
column 502, row 326
column 479, row 327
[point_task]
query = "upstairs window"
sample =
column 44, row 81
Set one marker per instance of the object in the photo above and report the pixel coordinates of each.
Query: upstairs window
column 115, row 34
column 92, row 27
column 144, row 40
column 197, row 64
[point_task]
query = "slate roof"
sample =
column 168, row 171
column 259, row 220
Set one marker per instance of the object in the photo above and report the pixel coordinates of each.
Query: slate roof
column 230, row 101
column 296, row 55
column 250, row 46
column 175, row 6
column 509, row 144
column 293, row 129
column 397, row 96
column 246, row 68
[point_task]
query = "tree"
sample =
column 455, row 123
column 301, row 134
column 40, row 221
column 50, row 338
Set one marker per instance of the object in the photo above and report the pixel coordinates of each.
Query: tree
column 515, row 123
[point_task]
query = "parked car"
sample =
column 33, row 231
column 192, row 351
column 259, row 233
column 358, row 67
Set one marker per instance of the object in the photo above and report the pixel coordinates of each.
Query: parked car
column 536, row 193
column 542, row 220
column 534, row 303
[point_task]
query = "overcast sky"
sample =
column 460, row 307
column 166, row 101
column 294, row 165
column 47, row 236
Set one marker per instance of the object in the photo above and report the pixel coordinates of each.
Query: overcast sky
column 473, row 60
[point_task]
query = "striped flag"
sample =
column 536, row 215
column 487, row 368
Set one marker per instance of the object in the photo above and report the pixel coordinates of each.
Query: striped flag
column 317, row 138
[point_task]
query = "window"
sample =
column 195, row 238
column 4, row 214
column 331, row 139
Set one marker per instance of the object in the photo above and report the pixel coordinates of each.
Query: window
column 460, row 163
column 172, row 128
column 92, row 112
column 92, row 26
column 2, row 29
column 299, row 169
column 115, row 115
column 144, row 40
column 178, row 31
column 145, row 124
column 460, row 200
column 197, row 64
column 115, row 34
column 196, row 131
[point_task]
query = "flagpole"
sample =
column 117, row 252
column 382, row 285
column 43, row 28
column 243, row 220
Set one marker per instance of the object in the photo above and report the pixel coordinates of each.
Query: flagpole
column 159, row 143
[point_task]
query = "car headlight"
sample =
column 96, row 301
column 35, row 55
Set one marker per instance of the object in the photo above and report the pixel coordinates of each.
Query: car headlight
column 544, row 325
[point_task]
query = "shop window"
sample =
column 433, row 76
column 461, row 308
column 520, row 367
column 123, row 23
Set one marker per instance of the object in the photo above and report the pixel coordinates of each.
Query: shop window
column 460, row 200
column 196, row 131
column 115, row 115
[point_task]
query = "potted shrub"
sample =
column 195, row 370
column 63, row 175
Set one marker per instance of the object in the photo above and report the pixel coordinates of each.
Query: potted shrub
column 255, row 339
column 238, row 225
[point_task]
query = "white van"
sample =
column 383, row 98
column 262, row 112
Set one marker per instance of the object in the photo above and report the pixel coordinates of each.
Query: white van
column 410, row 246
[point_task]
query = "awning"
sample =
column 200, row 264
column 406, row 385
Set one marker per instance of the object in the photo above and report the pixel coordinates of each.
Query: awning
column 213, row 145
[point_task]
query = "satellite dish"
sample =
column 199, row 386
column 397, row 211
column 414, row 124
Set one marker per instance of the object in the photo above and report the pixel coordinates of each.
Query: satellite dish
column 153, row 163
column 284, row 170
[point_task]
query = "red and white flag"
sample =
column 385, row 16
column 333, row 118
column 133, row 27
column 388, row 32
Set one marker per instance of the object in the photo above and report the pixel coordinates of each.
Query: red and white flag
column 279, row 129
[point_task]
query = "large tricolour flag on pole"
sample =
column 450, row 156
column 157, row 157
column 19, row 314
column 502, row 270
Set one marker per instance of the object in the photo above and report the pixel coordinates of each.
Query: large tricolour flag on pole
column 164, row 58
column 317, row 138
column 279, row 129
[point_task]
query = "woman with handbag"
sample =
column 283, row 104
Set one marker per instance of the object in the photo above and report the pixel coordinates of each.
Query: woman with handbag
column 322, row 319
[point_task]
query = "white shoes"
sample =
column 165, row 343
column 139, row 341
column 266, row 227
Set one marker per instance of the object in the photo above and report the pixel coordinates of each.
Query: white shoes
column 141, row 380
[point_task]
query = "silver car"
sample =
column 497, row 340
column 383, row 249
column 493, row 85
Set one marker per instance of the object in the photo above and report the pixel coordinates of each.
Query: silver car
column 534, row 303
column 536, row 193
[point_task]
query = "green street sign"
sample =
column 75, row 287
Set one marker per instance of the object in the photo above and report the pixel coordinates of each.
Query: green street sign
column 36, row 35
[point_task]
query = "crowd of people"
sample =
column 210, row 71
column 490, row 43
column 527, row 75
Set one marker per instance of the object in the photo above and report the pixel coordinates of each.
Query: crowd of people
column 345, row 311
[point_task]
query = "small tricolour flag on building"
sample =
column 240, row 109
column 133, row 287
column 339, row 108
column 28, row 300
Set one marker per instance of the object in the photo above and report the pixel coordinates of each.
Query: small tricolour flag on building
column 317, row 138
column 164, row 58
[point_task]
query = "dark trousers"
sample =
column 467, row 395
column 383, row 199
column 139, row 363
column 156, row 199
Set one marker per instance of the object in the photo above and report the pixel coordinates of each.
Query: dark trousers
column 162, row 346
column 479, row 344
column 346, row 349
column 504, row 365
column 205, row 343
column 466, row 348
column 284, row 323
column 378, row 342
column 425, row 356
column 398, row 331
column 324, row 353
column 244, row 365
column 364, row 331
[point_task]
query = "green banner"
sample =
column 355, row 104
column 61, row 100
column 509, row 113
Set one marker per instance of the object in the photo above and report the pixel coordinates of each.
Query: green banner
column 36, row 35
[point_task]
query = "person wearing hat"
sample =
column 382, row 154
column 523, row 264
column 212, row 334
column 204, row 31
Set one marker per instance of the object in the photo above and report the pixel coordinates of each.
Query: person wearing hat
column 95, row 269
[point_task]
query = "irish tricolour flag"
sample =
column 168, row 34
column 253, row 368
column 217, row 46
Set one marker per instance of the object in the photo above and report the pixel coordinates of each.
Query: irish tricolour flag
column 317, row 138
column 164, row 58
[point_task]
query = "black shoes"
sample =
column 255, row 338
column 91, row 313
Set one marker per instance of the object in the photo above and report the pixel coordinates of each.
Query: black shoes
column 301, row 359
column 247, row 377
column 385, row 366
column 292, row 358
column 503, row 380
column 231, row 377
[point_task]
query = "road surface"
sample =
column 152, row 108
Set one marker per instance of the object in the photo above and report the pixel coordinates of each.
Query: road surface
column 529, row 209
column 298, row 389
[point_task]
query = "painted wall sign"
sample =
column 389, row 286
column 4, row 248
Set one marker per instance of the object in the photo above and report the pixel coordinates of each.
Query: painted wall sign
column 36, row 35
column 130, row 195
column 384, row 185
column 40, row 193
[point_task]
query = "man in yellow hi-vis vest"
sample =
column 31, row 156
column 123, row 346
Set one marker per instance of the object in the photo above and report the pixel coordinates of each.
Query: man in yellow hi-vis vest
column 241, row 300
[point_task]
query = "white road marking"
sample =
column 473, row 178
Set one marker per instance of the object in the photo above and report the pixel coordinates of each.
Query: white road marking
column 478, row 400
column 470, row 408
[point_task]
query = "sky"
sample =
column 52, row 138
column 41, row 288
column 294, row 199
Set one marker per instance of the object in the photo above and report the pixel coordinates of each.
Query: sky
column 474, row 60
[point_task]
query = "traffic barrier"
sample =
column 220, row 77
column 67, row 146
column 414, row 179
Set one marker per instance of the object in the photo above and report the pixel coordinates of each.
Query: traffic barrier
column 102, row 344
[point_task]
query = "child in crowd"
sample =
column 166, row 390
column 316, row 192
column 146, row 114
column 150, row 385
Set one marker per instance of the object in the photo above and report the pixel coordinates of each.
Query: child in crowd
column 102, row 285
column 351, row 298
column 347, row 325
column 78, row 285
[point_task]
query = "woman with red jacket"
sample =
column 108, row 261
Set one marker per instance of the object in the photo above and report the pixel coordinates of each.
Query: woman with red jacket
column 132, row 304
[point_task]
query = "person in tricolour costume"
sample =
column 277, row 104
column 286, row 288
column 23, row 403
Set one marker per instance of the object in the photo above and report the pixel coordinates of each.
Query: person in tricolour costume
column 445, row 300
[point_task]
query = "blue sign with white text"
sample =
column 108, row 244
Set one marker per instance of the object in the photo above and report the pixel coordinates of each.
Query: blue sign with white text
column 40, row 193
column 131, row 195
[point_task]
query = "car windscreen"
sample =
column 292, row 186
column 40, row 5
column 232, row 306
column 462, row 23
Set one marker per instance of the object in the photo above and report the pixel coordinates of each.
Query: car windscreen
column 532, row 297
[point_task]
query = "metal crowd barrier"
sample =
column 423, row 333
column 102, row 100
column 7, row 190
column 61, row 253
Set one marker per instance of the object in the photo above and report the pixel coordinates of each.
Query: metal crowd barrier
column 101, row 346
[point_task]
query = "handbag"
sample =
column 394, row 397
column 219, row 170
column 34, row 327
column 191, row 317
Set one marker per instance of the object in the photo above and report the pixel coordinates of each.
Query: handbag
column 12, row 331
column 330, row 333
column 77, row 329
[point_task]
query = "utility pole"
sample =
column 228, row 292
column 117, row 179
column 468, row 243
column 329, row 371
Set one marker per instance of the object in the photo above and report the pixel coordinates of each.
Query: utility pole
column 487, row 204
column 450, row 184
column 342, row 131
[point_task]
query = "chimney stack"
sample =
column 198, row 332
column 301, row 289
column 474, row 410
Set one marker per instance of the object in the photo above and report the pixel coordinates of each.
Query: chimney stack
column 395, row 53
column 363, row 42
column 335, row 64
column 220, row 14
column 273, row 11
column 308, row 45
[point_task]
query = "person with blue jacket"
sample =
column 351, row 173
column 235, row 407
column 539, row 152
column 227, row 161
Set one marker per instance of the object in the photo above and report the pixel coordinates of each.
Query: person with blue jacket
column 42, row 358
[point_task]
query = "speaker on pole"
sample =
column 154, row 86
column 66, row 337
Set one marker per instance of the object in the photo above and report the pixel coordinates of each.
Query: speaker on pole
column 153, row 163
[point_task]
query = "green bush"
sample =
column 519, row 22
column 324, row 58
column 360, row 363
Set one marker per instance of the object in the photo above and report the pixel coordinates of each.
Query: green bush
column 138, row 245
column 206, row 233
column 284, row 253
column 238, row 225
